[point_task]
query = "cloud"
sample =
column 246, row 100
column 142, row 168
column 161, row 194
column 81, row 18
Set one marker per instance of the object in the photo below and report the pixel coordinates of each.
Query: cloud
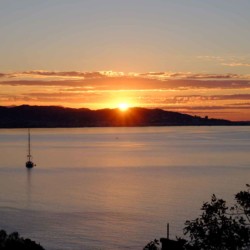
column 78, row 75
column 39, row 83
column 202, row 98
column 189, row 75
column 242, row 104
column 236, row 64
column 134, row 83
column 201, row 107
column 2, row 75
column 59, row 98
column 211, row 58
column 64, row 74
column 233, row 97
column 204, row 107
column 181, row 91
column 74, row 75
column 229, row 61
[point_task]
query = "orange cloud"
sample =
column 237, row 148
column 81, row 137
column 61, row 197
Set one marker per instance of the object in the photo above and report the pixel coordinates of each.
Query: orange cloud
column 112, row 74
column 185, row 92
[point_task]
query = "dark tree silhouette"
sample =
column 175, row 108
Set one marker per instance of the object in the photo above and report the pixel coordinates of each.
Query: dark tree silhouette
column 242, row 208
column 14, row 242
column 220, row 227
column 152, row 245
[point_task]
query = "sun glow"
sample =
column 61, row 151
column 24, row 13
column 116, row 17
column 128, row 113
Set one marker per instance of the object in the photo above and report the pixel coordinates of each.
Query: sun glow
column 123, row 106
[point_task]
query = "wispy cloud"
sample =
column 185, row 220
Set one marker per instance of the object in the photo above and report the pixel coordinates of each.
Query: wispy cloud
column 236, row 64
column 64, row 75
column 133, row 84
column 109, row 80
column 50, row 75
column 190, row 75
column 77, row 75
column 208, row 107
column 202, row 98
column 229, row 61
column 211, row 58
column 242, row 104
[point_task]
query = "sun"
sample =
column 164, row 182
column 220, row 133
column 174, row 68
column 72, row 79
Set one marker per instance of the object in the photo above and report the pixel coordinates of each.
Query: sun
column 123, row 106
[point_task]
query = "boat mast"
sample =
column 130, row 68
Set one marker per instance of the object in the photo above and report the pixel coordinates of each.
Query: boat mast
column 29, row 155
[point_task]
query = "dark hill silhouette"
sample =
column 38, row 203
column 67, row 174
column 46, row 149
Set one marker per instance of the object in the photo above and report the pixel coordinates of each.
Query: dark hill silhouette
column 53, row 116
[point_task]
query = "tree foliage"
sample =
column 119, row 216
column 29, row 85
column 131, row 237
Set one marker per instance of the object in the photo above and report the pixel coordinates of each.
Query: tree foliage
column 14, row 242
column 152, row 245
column 220, row 227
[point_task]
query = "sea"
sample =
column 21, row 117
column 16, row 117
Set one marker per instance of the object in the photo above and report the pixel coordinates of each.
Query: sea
column 116, row 188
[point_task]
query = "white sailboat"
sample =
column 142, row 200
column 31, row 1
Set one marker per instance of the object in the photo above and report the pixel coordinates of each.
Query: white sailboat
column 29, row 162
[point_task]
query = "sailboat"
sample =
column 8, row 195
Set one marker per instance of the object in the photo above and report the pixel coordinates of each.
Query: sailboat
column 29, row 162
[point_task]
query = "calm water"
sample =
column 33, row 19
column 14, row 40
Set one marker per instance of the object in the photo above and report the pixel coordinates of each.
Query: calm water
column 116, row 188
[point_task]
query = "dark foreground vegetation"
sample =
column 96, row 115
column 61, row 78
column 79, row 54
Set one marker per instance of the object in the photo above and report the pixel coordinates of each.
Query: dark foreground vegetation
column 50, row 117
column 219, row 227
column 14, row 242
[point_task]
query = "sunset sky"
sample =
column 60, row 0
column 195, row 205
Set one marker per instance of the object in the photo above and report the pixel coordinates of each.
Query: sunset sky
column 190, row 56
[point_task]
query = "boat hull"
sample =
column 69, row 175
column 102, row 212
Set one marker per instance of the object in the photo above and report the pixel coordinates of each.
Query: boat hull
column 29, row 164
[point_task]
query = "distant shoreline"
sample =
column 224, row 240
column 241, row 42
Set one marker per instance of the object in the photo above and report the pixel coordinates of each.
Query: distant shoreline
column 234, row 125
column 58, row 117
